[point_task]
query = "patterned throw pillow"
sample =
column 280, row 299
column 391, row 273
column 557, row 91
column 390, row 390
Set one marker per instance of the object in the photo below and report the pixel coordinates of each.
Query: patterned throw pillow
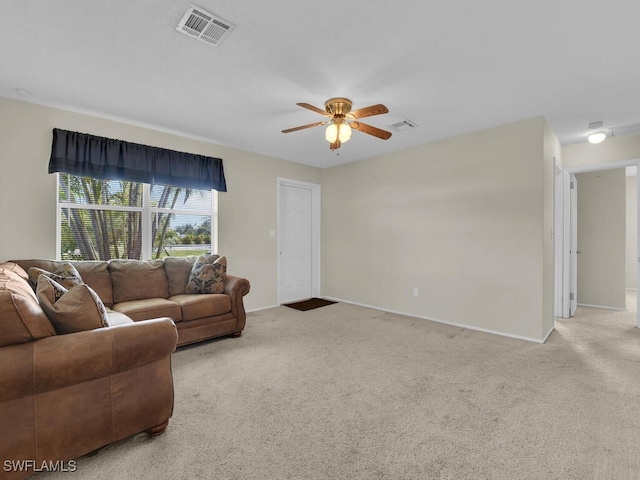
column 52, row 289
column 65, row 275
column 207, row 275
column 74, row 310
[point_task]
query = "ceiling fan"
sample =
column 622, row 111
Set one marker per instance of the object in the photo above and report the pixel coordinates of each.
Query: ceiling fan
column 343, row 119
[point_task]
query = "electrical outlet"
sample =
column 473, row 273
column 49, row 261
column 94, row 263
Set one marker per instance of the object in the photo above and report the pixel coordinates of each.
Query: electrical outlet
column 416, row 293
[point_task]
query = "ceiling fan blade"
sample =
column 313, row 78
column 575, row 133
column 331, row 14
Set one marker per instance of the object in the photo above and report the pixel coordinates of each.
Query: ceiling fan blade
column 302, row 127
column 375, row 131
column 378, row 109
column 314, row 109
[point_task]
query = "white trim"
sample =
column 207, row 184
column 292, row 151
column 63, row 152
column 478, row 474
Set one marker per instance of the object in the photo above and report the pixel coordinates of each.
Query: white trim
column 565, row 256
column 147, row 223
column 546, row 337
column 637, row 241
column 603, row 166
column 261, row 308
column 316, row 212
column 558, row 239
column 601, row 306
column 446, row 322
column 214, row 222
column 58, row 219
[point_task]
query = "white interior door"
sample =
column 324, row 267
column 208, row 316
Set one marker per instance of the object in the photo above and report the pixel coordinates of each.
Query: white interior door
column 573, row 289
column 295, row 243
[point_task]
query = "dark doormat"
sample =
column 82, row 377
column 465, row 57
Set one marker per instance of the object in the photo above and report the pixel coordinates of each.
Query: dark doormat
column 309, row 304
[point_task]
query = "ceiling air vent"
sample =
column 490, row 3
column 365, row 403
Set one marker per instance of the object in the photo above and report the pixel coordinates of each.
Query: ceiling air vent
column 404, row 125
column 205, row 26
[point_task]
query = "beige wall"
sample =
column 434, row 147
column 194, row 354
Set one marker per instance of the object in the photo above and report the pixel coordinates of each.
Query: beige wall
column 246, row 212
column 465, row 220
column 601, row 238
column 632, row 233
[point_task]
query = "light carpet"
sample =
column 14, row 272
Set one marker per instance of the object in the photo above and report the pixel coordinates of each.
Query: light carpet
column 346, row 392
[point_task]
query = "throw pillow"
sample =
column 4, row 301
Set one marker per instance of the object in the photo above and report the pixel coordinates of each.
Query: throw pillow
column 74, row 310
column 178, row 270
column 66, row 275
column 207, row 275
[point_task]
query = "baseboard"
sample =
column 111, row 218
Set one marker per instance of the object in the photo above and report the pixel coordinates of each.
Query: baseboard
column 600, row 306
column 445, row 322
column 546, row 337
column 261, row 308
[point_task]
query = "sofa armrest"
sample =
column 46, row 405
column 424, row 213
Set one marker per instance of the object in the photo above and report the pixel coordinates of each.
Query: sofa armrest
column 143, row 342
column 63, row 360
column 236, row 288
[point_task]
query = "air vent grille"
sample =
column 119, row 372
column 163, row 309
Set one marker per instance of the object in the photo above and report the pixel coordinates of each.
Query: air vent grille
column 205, row 26
column 404, row 125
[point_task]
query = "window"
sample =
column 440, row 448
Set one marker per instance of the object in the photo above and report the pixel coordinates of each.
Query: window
column 104, row 219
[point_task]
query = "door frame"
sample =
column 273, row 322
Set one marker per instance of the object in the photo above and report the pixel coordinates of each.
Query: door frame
column 316, row 210
column 558, row 239
column 564, row 258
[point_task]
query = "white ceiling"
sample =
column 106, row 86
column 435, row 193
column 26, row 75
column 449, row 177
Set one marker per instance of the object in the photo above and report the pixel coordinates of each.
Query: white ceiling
column 449, row 66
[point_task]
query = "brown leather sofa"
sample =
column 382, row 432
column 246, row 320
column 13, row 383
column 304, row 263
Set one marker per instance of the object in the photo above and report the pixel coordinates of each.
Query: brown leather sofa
column 62, row 396
column 157, row 288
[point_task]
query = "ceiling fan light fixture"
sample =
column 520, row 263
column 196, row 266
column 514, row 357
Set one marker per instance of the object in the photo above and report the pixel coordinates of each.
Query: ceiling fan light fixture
column 596, row 137
column 341, row 121
column 338, row 131
column 344, row 132
column 331, row 133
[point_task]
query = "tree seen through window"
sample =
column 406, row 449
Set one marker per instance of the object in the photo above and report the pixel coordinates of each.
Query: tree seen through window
column 105, row 219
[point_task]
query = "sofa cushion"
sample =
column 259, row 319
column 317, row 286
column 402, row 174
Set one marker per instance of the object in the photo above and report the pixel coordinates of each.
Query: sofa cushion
column 136, row 280
column 70, row 311
column 49, row 265
column 21, row 318
column 117, row 318
column 201, row 306
column 96, row 274
column 149, row 308
column 65, row 274
column 207, row 275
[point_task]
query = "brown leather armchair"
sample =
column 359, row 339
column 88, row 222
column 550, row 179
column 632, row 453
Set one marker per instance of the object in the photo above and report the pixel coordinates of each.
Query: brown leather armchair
column 62, row 396
column 65, row 395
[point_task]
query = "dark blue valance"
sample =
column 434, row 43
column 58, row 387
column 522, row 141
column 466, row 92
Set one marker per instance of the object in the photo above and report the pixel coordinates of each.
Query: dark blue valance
column 87, row 155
